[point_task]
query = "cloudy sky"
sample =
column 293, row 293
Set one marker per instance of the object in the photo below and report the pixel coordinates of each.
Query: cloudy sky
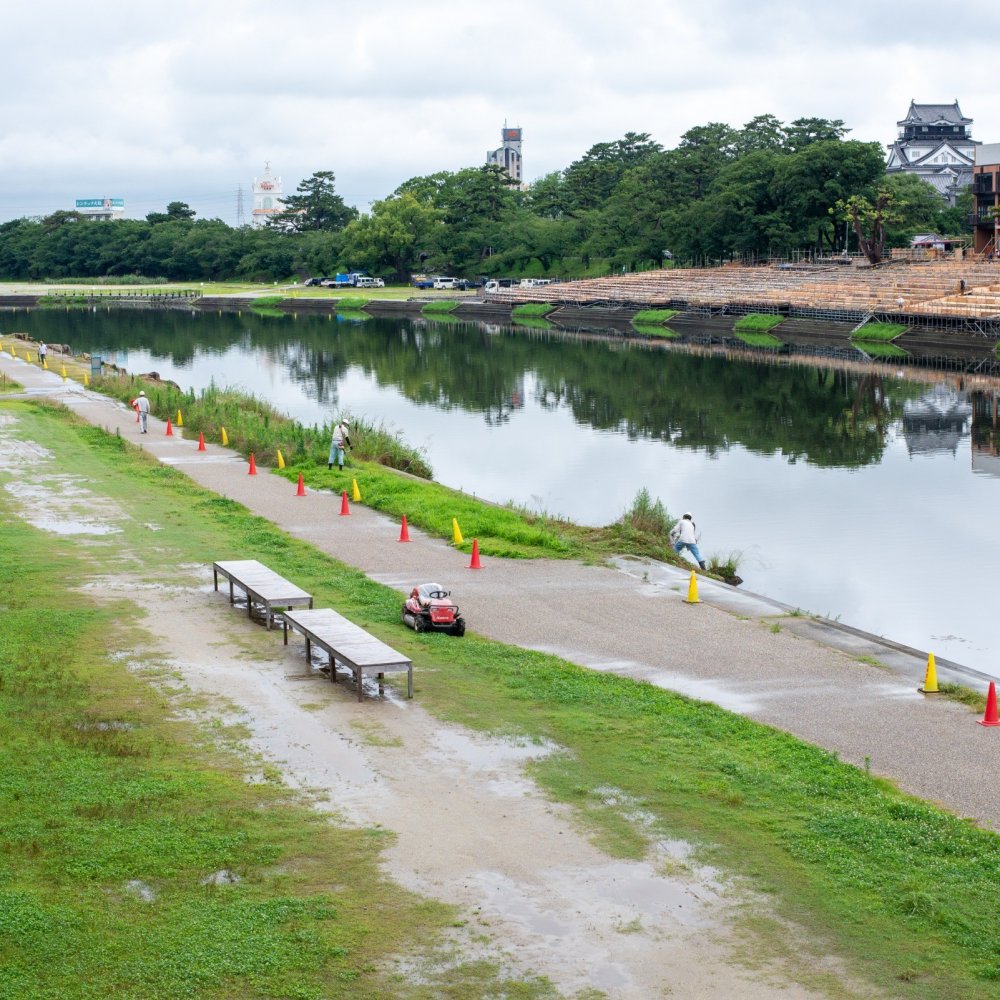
column 186, row 101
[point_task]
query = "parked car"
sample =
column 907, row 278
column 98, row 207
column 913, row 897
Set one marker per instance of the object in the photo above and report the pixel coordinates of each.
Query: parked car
column 446, row 283
column 313, row 281
column 421, row 281
column 365, row 282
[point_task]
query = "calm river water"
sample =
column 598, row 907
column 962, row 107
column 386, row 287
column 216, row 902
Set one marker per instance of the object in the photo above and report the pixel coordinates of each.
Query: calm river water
column 849, row 495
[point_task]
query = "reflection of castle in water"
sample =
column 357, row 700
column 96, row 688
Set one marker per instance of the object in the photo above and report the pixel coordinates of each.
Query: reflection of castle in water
column 986, row 433
column 937, row 421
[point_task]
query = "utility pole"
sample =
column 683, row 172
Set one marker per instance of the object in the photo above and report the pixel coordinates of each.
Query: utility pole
column 240, row 220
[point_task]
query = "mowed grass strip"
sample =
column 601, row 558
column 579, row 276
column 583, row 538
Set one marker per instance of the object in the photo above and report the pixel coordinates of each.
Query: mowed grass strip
column 902, row 894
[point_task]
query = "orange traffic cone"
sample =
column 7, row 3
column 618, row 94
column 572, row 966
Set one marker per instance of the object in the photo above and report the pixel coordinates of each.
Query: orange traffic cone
column 253, row 466
column 344, row 509
column 301, row 489
column 170, row 430
column 201, row 441
column 475, row 563
column 404, row 531
column 990, row 718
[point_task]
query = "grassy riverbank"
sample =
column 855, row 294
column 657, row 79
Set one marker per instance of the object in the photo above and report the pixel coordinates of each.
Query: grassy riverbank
column 377, row 458
column 105, row 783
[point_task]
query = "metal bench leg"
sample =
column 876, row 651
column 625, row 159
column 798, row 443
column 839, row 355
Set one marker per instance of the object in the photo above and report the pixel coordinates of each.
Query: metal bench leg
column 381, row 685
column 409, row 682
column 360, row 674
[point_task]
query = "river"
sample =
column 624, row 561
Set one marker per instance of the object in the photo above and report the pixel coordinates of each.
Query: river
column 849, row 494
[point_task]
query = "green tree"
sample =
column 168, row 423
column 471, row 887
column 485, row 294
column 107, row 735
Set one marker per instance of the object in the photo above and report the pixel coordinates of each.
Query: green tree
column 869, row 219
column 177, row 211
column 391, row 237
column 809, row 182
column 589, row 181
column 805, row 131
column 765, row 132
column 315, row 206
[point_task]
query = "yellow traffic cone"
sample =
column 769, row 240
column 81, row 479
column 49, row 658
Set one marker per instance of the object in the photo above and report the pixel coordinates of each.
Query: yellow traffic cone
column 281, row 460
column 45, row 363
column 456, row 533
column 86, row 381
column 63, row 373
column 930, row 678
column 692, row 597
column 225, row 436
column 355, row 492
column 179, row 422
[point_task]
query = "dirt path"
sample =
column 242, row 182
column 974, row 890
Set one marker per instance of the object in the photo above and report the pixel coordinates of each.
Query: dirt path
column 471, row 828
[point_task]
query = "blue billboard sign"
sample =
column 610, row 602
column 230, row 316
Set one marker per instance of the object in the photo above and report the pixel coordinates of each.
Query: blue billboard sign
column 100, row 202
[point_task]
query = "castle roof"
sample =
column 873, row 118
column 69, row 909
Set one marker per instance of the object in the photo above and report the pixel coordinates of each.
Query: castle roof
column 934, row 114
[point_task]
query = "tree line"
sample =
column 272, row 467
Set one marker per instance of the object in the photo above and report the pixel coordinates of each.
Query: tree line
column 766, row 189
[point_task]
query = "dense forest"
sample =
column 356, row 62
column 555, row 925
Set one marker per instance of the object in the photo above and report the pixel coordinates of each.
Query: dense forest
column 765, row 189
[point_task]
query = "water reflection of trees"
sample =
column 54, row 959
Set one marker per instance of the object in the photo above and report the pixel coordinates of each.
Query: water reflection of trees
column 823, row 416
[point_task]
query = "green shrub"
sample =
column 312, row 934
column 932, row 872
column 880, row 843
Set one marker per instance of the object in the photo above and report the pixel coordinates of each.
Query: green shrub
column 757, row 323
column 440, row 306
column 879, row 331
column 653, row 316
column 351, row 303
column 536, row 309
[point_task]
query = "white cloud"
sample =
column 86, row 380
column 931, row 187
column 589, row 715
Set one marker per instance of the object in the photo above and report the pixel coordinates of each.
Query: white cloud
column 155, row 103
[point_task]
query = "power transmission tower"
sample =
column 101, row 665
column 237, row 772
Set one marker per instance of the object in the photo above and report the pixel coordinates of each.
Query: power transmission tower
column 240, row 219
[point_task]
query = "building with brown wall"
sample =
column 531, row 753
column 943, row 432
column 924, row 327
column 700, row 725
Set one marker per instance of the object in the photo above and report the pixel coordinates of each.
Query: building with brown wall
column 986, row 198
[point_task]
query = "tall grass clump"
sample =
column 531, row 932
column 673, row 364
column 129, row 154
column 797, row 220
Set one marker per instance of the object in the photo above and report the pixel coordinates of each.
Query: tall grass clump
column 529, row 309
column 351, row 303
column 651, row 317
column 254, row 425
column 879, row 331
column 757, row 323
column 645, row 528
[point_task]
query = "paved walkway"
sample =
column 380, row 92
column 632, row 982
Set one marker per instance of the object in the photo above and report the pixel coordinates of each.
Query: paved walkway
column 741, row 651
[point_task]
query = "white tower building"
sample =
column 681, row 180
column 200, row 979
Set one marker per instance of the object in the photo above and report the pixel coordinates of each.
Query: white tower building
column 508, row 155
column 266, row 197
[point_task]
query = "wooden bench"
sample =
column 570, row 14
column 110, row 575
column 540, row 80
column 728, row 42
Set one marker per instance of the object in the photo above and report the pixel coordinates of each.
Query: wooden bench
column 262, row 585
column 349, row 644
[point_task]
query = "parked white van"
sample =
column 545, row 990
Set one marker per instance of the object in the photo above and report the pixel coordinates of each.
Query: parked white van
column 535, row 282
column 366, row 282
column 442, row 282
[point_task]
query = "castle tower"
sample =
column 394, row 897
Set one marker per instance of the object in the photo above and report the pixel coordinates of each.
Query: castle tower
column 508, row 156
column 266, row 197
column 935, row 143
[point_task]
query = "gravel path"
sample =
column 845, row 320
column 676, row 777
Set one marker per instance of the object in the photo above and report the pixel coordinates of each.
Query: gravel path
column 740, row 651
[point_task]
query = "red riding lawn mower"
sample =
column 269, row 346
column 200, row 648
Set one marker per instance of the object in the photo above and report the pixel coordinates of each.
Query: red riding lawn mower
column 428, row 610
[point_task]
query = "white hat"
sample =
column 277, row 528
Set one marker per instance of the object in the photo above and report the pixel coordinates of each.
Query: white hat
column 688, row 515
column 142, row 392
column 346, row 422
